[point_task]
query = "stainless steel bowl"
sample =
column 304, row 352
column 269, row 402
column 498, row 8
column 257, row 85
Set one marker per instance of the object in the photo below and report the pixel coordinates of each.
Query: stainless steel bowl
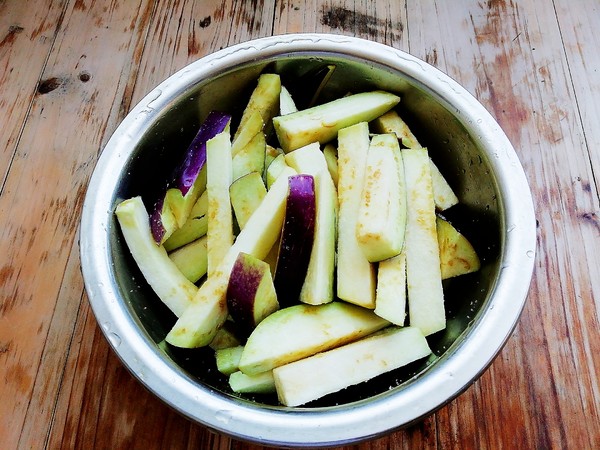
column 496, row 213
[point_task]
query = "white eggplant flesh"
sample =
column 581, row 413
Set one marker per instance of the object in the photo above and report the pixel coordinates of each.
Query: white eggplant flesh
column 457, row 255
column 200, row 322
column 220, row 218
column 302, row 330
column 302, row 381
column 192, row 259
column 163, row 276
column 321, row 123
column 382, row 211
column 424, row 279
column 318, row 285
column 391, row 122
column 390, row 298
column 194, row 228
column 262, row 383
column 355, row 274
column 246, row 193
column 228, row 359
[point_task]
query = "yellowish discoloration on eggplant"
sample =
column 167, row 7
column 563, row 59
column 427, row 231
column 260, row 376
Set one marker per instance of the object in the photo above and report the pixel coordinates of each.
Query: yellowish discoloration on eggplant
column 355, row 274
column 424, row 280
column 381, row 215
column 220, row 219
column 322, row 123
column 457, row 255
column 324, row 373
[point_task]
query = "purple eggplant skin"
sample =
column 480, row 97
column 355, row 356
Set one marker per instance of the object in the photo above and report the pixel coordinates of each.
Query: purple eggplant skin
column 157, row 225
column 216, row 122
column 187, row 172
column 244, row 281
column 296, row 239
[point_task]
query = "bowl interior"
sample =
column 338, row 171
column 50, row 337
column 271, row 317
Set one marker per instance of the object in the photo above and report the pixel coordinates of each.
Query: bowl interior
column 460, row 157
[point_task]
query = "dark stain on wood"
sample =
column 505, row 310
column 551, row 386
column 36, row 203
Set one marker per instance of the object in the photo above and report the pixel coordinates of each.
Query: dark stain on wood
column 496, row 4
column 508, row 109
column 204, row 23
column 432, row 57
column 339, row 18
column 10, row 37
column 80, row 5
column 15, row 29
column 42, row 28
column 592, row 219
column 19, row 377
column 12, row 299
column 49, row 85
column 78, row 204
column 193, row 44
column 84, row 76
column 32, row 235
column 5, row 274
column 251, row 14
column 586, row 186
column 5, row 347
column 219, row 13
column 144, row 17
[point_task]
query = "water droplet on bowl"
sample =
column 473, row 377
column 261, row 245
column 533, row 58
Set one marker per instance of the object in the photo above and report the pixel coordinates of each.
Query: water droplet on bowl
column 530, row 253
column 224, row 416
column 114, row 339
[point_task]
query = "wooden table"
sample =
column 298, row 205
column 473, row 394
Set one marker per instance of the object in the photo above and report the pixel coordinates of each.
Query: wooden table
column 71, row 69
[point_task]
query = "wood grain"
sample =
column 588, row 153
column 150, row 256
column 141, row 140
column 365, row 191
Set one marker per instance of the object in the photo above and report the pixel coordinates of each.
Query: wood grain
column 41, row 200
column 69, row 72
column 26, row 37
column 517, row 67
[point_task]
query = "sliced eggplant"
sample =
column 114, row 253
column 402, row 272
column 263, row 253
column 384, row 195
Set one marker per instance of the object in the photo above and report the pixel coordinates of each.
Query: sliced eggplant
column 321, row 123
column 296, row 239
column 250, row 293
column 163, row 276
column 172, row 210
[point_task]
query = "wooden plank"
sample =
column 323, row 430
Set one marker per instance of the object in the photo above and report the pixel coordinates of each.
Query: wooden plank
column 26, row 37
column 94, row 380
column 186, row 31
column 581, row 38
column 380, row 21
column 56, row 347
column 44, row 191
column 102, row 406
column 512, row 58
